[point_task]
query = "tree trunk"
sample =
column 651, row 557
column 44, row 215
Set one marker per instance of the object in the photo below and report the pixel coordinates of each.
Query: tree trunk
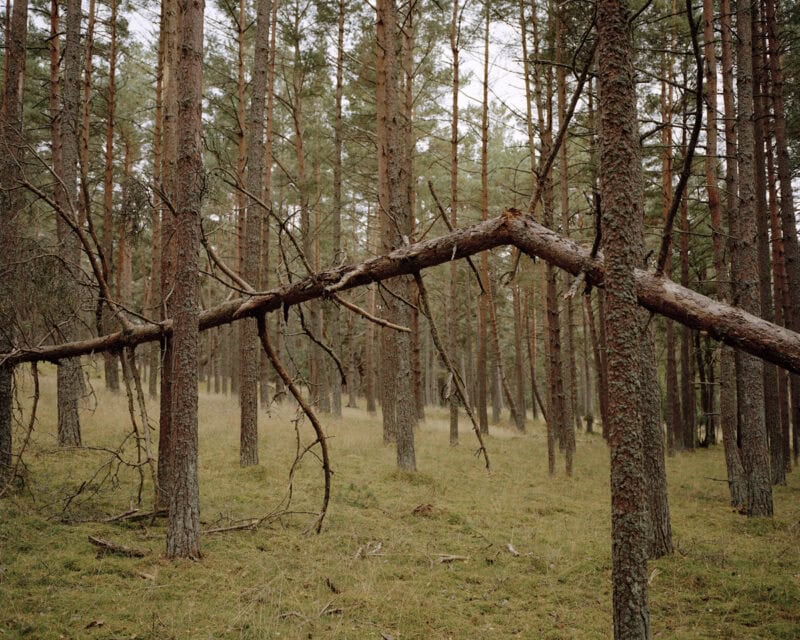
column 254, row 219
column 69, row 371
column 728, row 402
column 452, row 300
column 689, row 426
column 110, row 359
column 10, row 204
column 672, row 407
column 788, row 220
column 159, row 210
column 772, row 410
column 572, row 417
column 265, row 367
column 556, row 400
column 482, row 368
column 167, row 307
column 755, row 454
column 183, row 532
column 712, row 179
column 622, row 197
column 399, row 408
column 334, row 321
column 781, row 298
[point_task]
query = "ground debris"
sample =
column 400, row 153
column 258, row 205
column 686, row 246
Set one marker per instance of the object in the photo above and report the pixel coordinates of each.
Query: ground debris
column 107, row 546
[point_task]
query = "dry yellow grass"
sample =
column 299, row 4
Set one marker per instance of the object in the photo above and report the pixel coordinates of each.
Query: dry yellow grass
column 377, row 567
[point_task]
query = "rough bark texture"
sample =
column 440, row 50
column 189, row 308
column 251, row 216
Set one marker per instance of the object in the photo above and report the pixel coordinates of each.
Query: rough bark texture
column 168, row 176
column 183, row 533
column 10, row 206
column 755, row 454
column 621, row 191
column 399, row 407
column 69, row 371
column 653, row 447
column 250, row 361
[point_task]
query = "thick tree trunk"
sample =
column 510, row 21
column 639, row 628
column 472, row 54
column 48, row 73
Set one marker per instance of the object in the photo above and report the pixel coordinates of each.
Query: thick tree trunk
column 183, row 532
column 755, row 454
column 399, row 408
column 621, row 190
column 10, row 205
column 168, row 180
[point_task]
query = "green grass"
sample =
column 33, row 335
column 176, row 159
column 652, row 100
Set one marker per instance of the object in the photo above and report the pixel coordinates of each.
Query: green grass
column 376, row 567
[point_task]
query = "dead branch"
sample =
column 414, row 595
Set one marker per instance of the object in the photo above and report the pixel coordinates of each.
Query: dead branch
column 137, row 381
column 450, row 228
column 107, row 546
column 321, row 438
column 686, row 171
column 437, row 340
column 723, row 322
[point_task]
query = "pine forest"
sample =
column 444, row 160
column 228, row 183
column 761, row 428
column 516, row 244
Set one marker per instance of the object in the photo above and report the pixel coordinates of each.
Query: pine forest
column 400, row 319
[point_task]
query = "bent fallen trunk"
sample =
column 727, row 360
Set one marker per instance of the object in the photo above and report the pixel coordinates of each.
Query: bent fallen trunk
column 658, row 294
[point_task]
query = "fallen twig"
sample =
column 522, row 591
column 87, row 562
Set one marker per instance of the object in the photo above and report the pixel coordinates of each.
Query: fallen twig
column 107, row 546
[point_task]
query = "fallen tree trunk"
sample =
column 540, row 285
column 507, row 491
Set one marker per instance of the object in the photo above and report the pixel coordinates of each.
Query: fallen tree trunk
column 656, row 293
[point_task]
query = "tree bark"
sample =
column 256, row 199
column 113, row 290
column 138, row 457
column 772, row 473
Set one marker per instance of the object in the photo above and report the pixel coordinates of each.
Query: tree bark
column 168, row 188
column 728, row 402
column 623, row 204
column 254, row 219
column 755, row 454
column 399, row 408
column 481, row 364
column 791, row 247
column 772, row 410
column 11, row 204
column 452, row 300
column 183, row 532
column 335, row 321
column 69, row 371
column 110, row 359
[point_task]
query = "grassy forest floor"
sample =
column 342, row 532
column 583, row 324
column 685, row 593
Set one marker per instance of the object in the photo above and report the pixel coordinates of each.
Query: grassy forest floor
column 448, row 552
